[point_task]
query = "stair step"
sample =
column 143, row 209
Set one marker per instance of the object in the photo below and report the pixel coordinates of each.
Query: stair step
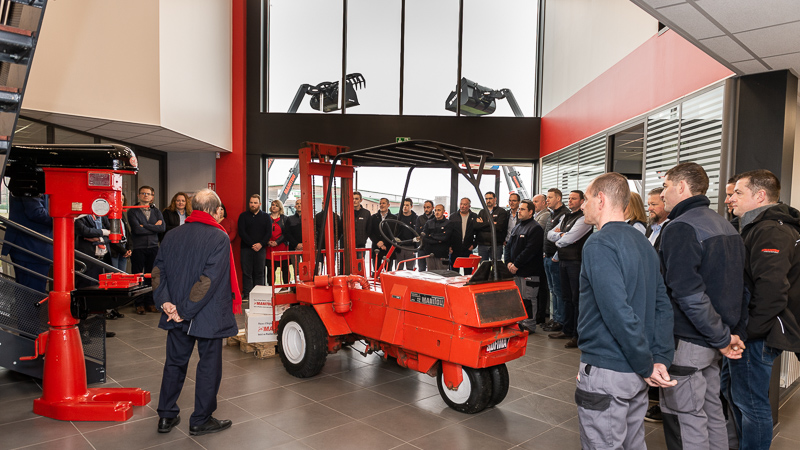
column 34, row 3
column 5, row 144
column 16, row 44
column 9, row 99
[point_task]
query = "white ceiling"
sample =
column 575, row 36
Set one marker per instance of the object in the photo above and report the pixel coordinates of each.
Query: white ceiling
column 150, row 136
column 747, row 36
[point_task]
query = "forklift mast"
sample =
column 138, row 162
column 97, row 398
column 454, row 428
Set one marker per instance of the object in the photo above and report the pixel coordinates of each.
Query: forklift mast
column 515, row 183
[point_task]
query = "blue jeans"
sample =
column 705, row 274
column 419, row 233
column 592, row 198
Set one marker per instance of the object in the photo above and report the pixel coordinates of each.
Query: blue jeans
column 485, row 252
column 747, row 391
column 553, row 273
column 120, row 262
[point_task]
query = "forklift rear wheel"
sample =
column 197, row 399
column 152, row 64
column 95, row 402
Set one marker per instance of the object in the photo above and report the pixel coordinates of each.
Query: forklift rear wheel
column 500, row 382
column 302, row 341
column 473, row 394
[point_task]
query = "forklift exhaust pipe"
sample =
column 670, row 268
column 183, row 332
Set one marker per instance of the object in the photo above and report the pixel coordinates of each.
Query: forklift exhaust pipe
column 341, row 295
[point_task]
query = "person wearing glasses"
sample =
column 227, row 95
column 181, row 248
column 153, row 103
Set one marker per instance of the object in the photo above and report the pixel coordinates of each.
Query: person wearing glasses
column 146, row 223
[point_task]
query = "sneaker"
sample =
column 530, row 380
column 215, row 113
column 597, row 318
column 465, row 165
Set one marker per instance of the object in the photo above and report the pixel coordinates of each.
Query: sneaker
column 653, row 415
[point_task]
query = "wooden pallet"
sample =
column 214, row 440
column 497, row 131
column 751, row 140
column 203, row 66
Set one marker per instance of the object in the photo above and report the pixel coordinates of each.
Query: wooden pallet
column 262, row 350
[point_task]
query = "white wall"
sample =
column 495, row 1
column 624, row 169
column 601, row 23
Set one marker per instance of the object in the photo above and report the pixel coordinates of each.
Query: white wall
column 98, row 58
column 189, row 172
column 584, row 38
column 195, row 69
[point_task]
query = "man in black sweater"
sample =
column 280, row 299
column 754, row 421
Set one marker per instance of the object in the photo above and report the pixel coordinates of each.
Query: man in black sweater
column 463, row 243
column 524, row 250
column 438, row 235
column 408, row 217
column 483, row 231
column 255, row 229
column 702, row 257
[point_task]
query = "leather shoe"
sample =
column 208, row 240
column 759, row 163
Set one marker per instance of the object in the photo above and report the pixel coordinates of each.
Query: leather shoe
column 527, row 325
column 110, row 334
column 212, row 425
column 166, row 424
column 152, row 308
column 555, row 326
column 559, row 335
column 140, row 310
column 572, row 343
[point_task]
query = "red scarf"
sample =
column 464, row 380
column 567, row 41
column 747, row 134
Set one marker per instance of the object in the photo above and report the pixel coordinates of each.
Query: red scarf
column 206, row 218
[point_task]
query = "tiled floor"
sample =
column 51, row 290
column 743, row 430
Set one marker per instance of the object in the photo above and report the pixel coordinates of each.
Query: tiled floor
column 356, row 403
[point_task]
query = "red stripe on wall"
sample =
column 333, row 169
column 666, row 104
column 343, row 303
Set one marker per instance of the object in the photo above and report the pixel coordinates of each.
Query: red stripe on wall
column 663, row 69
column 230, row 168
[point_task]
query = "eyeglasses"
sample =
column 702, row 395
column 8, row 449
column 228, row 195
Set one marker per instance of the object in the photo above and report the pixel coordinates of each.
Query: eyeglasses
column 146, row 193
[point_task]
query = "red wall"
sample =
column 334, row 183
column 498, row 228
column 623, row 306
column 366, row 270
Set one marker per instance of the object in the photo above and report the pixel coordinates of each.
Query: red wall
column 660, row 71
column 230, row 179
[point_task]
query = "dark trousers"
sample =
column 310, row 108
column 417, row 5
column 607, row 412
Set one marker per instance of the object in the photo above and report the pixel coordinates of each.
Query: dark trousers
column 273, row 265
column 570, row 272
column 253, row 267
column 542, row 300
column 142, row 260
column 422, row 263
column 209, row 374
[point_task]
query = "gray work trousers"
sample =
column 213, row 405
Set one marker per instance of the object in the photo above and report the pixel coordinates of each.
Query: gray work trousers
column 611, row 408
column 692, row 410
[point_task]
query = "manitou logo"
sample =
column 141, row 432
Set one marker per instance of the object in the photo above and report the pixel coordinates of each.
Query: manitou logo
column 500, row 344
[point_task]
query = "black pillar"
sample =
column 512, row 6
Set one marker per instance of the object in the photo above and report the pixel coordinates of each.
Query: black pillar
column 764, row 125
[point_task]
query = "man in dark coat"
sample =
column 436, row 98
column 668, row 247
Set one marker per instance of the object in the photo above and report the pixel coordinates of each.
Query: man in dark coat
column 464, row 221
column 483, row 230
column 30, row 212
column 255, row 229
column 437, row 235
column 770, row 231
column 421, row 219
column 146, row 223
column 192, row 281
column 525, row 259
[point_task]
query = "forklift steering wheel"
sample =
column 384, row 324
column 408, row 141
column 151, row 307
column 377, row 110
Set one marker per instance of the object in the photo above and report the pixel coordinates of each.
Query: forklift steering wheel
column 390, row 238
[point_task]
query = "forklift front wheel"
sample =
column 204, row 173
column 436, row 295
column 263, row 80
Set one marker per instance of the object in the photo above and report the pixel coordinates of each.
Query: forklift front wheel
column 500, row 384
column 472, row 395
column 302, row 341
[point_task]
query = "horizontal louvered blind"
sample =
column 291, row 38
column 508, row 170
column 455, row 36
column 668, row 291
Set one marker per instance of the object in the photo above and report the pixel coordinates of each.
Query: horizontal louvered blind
column 592, row 161
column 549, row 172
column 568, row 169
column 701, row 137
column 661, row 150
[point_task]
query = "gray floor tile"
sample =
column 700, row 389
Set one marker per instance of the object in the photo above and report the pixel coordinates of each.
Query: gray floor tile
column 246, row 384
column 782, row 443
column 407, row 423
column 435, row 405
column 134, row 435
column 529, row 381
column 186, row 443
column 136, row 370
column 542, row 408
column 254, row 434
column 76, row 442
column 341, row 363
column 139, row 413
column 554, row 438
column 564, row 391
column 319, row 389
column 352, row 436
column 361, row 403
column 307, row 420
column 458, row 437
column 370, row 375
column 25, row 389
column 507, row 426
column 406, row 390
column 34, row 431
column 269, row 402
column 16, row 410
column 553, row 369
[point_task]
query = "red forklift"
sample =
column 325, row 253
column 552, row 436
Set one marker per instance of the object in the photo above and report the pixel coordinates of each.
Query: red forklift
column 460, row 329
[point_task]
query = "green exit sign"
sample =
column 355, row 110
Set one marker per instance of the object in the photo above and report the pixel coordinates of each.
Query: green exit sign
column 402, row 139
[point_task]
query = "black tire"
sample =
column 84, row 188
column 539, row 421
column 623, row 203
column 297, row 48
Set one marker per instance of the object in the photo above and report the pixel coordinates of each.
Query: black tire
column 302, row 341
column 473, row 394
column 499, row 375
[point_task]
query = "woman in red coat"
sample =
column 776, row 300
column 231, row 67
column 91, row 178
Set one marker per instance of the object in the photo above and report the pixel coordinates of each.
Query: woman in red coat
column 277, row 243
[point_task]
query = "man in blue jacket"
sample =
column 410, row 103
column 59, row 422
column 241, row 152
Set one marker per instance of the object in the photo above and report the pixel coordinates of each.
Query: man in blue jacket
column 625, row 322
column 192, row 282
column 30, row 212
column 702, row 257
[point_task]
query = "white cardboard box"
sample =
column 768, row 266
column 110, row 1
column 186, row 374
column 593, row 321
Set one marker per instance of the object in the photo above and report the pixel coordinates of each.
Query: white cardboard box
column 259, row 326
column 261, row 299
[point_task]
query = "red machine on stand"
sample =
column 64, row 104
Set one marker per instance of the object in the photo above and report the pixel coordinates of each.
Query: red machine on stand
column 79, row 180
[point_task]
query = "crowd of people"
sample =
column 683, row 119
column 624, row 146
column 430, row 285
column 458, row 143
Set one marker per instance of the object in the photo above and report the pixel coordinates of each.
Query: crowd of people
column 674, row 303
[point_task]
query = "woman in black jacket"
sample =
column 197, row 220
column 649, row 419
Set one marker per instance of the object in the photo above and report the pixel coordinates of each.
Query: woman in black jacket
column 277, row 243
column 177, row 211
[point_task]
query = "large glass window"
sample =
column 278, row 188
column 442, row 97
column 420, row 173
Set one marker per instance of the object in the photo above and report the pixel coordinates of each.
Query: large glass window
column 661, row 150
column 701, row 136
column 431, row 56
column 373, row 50
column 499, row 51
column 305, row 48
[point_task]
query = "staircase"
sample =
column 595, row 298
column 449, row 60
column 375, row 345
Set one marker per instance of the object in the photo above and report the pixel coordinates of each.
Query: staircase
column 21, row 318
